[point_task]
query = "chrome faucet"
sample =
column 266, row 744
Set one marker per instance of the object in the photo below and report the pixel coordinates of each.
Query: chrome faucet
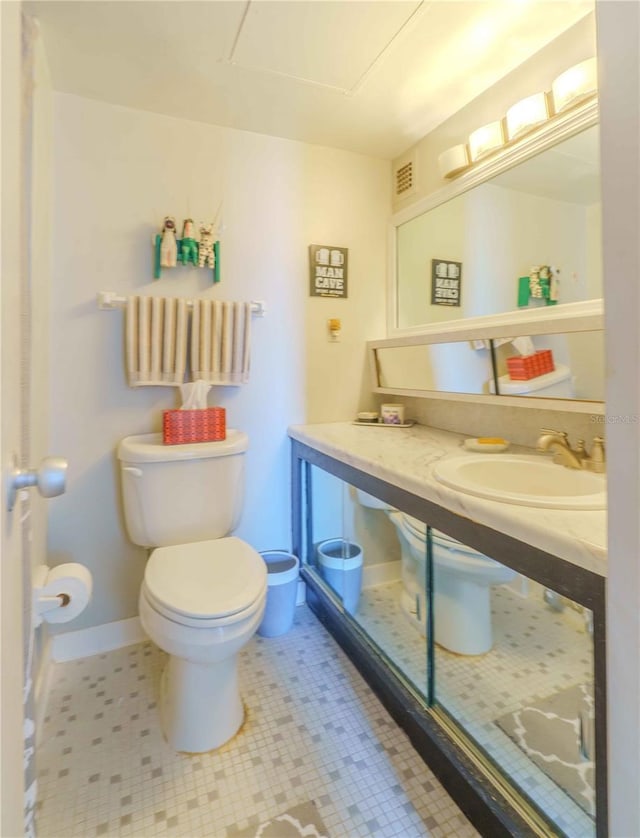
column 564, row 454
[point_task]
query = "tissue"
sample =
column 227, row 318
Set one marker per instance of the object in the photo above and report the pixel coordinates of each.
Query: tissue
column 194, row 421
column 194, row 395
column 524, row 345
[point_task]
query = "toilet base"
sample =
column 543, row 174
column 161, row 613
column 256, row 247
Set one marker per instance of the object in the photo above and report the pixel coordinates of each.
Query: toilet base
column 200, row 704
column 462, row 613
column 413, row 606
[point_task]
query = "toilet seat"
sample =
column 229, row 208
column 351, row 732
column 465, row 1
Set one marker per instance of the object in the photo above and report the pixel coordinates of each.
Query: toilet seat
column 463, row 553
column 205, row 583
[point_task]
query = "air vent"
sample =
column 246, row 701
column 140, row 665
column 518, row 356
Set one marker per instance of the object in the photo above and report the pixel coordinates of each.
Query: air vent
column 404, row 178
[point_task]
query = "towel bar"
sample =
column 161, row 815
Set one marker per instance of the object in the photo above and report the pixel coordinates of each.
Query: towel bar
column 110, row 300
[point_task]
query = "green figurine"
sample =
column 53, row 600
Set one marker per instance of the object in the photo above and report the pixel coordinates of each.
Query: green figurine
column 188, row 245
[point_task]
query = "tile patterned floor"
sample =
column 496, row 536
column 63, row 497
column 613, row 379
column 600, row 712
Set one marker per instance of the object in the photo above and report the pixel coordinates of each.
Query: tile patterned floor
column 537, row 652
column 314, row 730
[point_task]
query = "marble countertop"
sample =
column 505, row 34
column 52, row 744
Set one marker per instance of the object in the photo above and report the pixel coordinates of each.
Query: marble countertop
column 405, row 457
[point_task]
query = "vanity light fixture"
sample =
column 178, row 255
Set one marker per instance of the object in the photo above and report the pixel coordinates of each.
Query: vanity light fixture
column 570, row 88
column 486, row 139
column 454, row 160
column 526, row 114
column 575, row 84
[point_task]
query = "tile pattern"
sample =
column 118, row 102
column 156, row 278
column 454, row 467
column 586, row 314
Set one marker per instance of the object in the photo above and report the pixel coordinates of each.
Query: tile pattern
column 537, row 652
column 314, row 731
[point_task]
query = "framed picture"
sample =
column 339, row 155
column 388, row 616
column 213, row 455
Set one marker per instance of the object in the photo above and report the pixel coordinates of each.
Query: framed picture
column 446, row 280
column 328, row 270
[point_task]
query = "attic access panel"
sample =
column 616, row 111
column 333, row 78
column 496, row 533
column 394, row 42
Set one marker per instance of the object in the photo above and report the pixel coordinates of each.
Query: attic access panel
column 329, row 44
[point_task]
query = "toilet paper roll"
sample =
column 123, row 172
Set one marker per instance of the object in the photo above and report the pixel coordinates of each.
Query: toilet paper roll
column 70, row 580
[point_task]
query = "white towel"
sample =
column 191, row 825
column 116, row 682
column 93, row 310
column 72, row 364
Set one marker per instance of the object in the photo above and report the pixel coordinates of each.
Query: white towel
column 220, row 342
column 156, row 341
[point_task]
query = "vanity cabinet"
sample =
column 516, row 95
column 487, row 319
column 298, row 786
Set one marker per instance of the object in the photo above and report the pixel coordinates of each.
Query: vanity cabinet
column 504, row 697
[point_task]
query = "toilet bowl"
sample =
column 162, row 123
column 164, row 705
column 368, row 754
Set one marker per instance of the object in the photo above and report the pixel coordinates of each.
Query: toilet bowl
column 462, row 578
column 201, row 600
column 201, row 603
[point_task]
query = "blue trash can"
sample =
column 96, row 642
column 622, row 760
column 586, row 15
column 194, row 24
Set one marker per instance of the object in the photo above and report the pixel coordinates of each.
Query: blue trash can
column 340, row 563
column 282, row 579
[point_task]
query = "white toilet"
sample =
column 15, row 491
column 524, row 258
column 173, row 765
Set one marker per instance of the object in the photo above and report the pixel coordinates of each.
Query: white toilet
column 203, row 593
column 559, row 384
column 462, row 581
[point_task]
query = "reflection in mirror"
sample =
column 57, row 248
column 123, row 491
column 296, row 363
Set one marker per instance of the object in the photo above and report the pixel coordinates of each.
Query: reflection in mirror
column 525, row 696
column 563, row 366
column 505, row 660
column 455, row 367
column 379, row 592
column 543, row 211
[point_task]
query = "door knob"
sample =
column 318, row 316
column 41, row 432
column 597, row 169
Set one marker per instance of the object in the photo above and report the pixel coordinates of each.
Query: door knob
column 50, row 478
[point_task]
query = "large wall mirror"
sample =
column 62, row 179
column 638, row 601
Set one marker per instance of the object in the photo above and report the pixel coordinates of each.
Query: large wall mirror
column 518, row 354
column 534, row 205
column 570, row 366
column 463, row 314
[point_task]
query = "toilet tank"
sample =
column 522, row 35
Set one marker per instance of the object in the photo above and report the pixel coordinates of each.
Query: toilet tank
column 176, row 494
column 558, row 384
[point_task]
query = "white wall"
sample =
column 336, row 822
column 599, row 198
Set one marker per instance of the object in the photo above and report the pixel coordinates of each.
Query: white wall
column 117, row 172
column 619, row 71
column 594, row 251
column 497, row 234
column 438, row 234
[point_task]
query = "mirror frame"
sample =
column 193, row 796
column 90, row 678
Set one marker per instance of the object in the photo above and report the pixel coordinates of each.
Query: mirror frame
column 554, row 131
column 585, row 316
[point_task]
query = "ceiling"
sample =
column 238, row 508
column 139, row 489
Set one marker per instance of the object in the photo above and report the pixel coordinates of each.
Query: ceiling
column 371, row 77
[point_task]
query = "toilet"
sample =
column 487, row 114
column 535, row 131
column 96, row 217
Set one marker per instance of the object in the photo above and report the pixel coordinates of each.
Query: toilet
column 204, row 592
column 462, row 581
column 558, row 384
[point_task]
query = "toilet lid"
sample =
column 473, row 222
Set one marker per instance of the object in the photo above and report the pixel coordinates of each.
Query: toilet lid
column 206, row 579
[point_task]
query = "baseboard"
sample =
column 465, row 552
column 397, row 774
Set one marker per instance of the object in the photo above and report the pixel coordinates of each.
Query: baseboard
column 380, row 574
column 96, row 640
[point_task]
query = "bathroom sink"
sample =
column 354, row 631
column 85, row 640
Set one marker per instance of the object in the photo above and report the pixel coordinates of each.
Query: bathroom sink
column 524, row 480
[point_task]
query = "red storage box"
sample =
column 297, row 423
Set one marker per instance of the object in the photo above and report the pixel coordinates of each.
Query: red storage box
column 182, row 426
column 524, row 367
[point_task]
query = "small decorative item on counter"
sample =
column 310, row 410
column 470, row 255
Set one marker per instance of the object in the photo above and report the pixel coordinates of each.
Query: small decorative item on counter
column 206, row 255
column 524, row 367
column 200, row 425
column 368, row 416
column 392, row 414
column 188, row 245
column 168, row 245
